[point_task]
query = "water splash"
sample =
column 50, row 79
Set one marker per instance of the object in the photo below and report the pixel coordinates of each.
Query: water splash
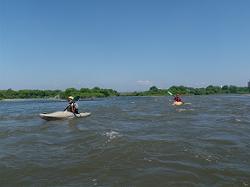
column 111, row 135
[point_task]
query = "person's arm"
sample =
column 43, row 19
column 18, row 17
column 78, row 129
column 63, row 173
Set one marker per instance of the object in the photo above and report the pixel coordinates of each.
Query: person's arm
column 73, row 108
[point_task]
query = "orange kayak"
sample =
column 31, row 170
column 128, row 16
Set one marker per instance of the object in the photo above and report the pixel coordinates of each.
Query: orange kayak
column 177, row 103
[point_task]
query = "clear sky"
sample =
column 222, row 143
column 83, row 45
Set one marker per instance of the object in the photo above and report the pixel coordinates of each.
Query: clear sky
column 123, row 44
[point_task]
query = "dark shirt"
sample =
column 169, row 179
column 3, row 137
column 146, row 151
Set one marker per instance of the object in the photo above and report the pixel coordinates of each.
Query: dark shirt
column 177, row 99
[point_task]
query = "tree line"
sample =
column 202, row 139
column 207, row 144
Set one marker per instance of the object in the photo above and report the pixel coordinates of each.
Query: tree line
column 100, row 92
column 154, row 91
column 57, row 94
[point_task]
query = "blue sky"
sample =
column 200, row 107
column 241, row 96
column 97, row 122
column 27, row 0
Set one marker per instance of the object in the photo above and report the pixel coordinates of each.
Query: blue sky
column 123, row 44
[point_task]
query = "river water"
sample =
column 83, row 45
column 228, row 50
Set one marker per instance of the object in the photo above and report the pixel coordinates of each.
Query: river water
column 128, row 142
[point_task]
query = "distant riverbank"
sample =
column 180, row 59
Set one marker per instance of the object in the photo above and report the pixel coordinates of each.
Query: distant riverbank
column 96, row 92
column 47, row 99
column 209, row 90
column 83, row 93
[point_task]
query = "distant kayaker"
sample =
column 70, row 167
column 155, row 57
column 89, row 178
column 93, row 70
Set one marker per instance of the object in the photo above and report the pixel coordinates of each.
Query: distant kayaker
column 73, row 106
column 177, row 98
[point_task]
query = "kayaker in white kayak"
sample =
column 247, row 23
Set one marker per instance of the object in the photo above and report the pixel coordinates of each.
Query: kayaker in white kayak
column 73, row 106
column 72, row 111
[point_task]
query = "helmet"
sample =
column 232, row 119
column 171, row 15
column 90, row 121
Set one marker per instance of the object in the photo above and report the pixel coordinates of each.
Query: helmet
column 71, row 97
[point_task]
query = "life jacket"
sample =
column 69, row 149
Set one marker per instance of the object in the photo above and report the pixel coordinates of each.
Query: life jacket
column 177, row 99
column 71, row 106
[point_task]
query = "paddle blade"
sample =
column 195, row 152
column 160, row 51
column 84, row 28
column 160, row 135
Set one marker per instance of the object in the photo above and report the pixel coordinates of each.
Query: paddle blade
column 76, row 98
column 170, row 93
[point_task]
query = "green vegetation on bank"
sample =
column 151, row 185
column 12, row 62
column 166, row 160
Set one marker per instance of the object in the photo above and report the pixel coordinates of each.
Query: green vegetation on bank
column 83, row 93
column 88, row 93
column 99, row 92
column 154, row 91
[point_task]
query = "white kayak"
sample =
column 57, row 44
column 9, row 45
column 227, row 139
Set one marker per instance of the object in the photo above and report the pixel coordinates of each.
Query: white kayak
column 63, row 115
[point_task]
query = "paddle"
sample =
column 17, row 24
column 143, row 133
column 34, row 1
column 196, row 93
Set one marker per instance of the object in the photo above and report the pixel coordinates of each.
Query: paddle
column 170, row 93
column 74, row 100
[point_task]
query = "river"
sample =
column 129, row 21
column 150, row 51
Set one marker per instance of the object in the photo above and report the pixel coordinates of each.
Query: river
column 128, row 142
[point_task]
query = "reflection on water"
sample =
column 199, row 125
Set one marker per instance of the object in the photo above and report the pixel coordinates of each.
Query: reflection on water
column 127, row 141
